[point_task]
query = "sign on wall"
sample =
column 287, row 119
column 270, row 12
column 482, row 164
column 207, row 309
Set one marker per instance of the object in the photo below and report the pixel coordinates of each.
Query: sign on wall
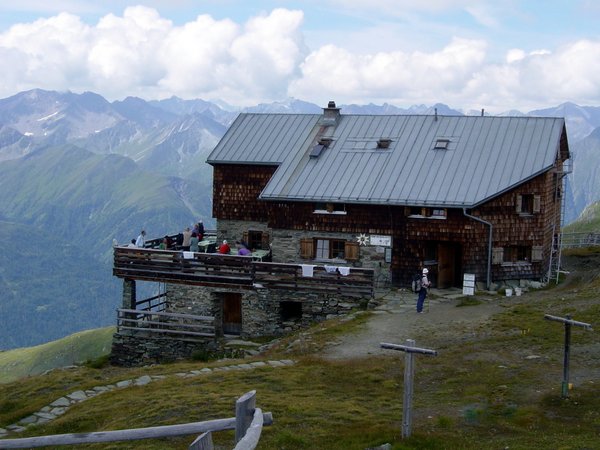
column 380, row 240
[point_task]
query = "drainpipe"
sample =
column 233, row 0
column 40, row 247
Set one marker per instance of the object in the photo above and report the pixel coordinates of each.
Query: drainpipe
column 489, row 261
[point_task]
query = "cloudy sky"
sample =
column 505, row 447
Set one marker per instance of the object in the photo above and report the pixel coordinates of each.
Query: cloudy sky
column 469, row 54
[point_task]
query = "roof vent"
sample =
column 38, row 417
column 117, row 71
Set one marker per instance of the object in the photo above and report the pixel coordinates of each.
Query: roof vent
column 321, row 145
column 330, row 116
column 384, row 143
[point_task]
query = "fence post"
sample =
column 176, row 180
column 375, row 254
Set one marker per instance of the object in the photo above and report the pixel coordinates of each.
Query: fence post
column 244, row 413
column 202, row 442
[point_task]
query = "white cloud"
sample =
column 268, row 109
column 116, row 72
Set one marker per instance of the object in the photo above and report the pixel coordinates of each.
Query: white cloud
column 393, row 76
column 265, row 59
column 141, row 53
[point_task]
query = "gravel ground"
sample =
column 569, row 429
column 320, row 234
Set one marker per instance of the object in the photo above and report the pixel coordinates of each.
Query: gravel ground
column 396, row 319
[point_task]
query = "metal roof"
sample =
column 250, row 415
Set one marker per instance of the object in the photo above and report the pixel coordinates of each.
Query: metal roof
column 484, row 156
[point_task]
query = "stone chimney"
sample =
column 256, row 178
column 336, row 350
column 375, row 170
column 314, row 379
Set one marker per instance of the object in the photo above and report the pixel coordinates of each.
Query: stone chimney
column 330, row 116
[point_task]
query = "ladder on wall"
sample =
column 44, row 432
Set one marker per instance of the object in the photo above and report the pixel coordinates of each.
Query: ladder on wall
column 554, row 268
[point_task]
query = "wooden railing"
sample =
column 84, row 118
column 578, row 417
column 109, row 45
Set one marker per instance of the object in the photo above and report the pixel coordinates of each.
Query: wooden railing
column 359, row 282
column 212, row 269
column 247, row 423
column 577, row 240
column 154, row 243
column 182, row 325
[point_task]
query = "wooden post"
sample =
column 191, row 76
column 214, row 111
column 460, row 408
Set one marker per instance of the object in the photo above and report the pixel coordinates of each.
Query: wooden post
column 409, row 371
column 567, row 352
column 202, row 442
column 244, row 413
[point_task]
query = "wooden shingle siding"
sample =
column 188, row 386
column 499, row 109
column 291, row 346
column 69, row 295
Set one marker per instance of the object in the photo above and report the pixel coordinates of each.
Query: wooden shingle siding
column 236, row 189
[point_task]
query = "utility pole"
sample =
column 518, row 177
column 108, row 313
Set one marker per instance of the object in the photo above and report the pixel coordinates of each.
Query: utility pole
column 409, row 371
column 568, row 323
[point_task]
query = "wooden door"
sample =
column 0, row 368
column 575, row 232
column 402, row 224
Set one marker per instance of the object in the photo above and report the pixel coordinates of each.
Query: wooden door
column 448, row 264
column 232, row 313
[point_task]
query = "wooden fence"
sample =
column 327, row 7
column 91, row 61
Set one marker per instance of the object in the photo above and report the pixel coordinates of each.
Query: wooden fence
column 184, row 325
column 212, row 269
column 247, row 423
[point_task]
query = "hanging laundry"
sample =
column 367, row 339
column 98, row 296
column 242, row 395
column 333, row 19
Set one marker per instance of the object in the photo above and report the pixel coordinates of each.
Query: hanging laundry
column 307, row 270
column 330, row 269
column 345, row 271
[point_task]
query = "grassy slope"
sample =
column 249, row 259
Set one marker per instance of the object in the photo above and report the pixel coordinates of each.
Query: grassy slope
column 588, row 221
column 481, row 391
column 73, row 349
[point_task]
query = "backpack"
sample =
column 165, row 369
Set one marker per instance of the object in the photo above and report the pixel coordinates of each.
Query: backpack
column 417, row 283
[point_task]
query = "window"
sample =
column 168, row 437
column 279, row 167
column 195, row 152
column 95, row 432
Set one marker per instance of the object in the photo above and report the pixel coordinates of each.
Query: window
column 326, row 249
column 384, row 143
column 441, row 144
column 517, row 253
column 432, row 213
column 330, row 208
column 330, row 249
column 256, row 240
column 528, row 204
column 439, row 213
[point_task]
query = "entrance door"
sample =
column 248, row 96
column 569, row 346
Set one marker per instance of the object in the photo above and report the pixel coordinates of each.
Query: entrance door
column 449, row 260
column 232, row 313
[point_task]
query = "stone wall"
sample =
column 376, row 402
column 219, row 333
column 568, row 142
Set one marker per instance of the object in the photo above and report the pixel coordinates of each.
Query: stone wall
column 286, row 246
column 141, row 348
column 264, row 311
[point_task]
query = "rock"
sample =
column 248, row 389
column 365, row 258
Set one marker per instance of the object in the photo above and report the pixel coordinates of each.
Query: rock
column 29, row 420
column 61, row 402
column 143, row 380
column 77, row 396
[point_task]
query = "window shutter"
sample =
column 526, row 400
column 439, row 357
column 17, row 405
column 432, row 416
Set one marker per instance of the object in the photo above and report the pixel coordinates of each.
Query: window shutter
column 519, row 201
column 351, row 251
column 537, row 253
column 497, row 255
column 537, row 203
column 306, row 248
column 264, row 240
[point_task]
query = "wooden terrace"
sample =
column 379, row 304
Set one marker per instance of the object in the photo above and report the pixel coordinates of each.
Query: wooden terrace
column 246, row 272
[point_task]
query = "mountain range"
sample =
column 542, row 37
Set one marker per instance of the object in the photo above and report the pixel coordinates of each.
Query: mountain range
column 77, row 171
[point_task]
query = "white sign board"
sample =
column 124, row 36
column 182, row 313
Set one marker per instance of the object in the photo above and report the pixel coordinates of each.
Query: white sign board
column 469, row 284
column 380, row 240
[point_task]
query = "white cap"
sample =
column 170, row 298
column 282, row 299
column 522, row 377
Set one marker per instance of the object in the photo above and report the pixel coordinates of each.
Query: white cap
column 425, row 271
column 224, row 242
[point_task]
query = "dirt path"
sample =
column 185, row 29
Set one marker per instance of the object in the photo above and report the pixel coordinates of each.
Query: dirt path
column 396, row 320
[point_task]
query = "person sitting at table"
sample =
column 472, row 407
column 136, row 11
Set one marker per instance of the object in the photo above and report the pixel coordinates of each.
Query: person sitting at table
column 194, row 243
column 243, row 251
column 224, row 248
column 164, row 245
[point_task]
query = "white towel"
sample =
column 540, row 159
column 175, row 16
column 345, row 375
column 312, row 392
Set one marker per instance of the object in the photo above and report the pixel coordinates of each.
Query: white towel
column 344, row 270
column 188, row 255
column 307, row 270
column 330, row 269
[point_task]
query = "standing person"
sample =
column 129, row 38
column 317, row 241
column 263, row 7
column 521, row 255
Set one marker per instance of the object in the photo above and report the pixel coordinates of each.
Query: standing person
column 187, row 237
column 141, row 240
column 194, row 243
column 425, row 284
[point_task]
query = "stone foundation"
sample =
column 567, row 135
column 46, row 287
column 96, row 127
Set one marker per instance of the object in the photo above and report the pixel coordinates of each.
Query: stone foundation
column 264, row 312
column 141, row 349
